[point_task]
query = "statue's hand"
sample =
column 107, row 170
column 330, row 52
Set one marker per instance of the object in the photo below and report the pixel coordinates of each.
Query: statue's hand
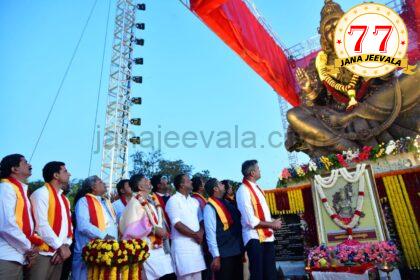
column 303, row 80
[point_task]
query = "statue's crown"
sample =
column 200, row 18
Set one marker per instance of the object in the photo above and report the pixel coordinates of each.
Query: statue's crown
column 330, row 10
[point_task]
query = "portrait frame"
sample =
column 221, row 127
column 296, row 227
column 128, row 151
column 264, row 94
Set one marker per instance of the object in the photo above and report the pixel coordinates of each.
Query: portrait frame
column 371, row 226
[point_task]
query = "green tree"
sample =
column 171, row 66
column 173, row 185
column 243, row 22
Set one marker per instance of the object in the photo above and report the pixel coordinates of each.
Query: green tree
column 153, row 163
column 235, row 185
column 171, row 168
column 72, row 190
column 146, row 164
column 205, row 174
column 34, row 185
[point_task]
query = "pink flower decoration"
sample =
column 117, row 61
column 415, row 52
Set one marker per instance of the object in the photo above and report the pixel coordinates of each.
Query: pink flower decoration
column 285, row 174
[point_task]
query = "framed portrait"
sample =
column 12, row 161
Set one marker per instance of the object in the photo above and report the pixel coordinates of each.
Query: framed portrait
column 346, row 204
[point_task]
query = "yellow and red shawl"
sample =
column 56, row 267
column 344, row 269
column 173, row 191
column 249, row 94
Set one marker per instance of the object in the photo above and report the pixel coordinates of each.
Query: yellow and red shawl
column 222, row 212
column 96, row 213
column 55, row 218
column 263, row 233
column 22, row 214
column 201, row 199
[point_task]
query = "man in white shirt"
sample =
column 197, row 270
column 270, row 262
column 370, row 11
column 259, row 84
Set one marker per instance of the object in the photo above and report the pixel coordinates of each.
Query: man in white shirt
column 187, row 233
column 51, row 210
column 16, row 224
column 125, row 193
column 257, row 225
column 91, row 193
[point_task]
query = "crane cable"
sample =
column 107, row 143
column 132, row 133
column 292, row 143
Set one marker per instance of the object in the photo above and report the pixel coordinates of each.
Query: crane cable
column 99, row 87
column 64, row 78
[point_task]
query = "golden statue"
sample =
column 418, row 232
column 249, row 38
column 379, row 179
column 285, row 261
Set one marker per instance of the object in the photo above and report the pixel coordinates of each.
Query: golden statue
column 340, row 110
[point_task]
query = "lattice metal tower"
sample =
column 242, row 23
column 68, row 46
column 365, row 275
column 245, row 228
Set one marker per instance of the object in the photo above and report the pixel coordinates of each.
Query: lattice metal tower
column 116, row 135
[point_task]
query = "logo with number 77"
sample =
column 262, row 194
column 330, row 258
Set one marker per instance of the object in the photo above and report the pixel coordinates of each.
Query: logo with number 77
column 371, row 40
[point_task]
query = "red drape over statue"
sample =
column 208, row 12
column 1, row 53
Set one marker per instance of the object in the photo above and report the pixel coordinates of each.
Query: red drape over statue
column 239, row 28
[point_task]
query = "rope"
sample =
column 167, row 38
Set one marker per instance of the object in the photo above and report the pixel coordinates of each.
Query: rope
column 99, row 87
column 63, row 79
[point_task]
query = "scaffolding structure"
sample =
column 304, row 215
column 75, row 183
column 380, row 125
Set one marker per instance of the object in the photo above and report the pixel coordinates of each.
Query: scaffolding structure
column 284, row 107
column 116, row 136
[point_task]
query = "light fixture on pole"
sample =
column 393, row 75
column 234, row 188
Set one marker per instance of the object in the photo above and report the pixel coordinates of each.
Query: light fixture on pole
column 138, row 61
column 138, row 79
column 134, row 140
column 135, row 121
column 140, row 25
column 141, row 7
column 136, row 100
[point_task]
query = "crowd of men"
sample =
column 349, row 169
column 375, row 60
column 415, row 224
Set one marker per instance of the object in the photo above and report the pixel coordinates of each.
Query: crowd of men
column 200, row 230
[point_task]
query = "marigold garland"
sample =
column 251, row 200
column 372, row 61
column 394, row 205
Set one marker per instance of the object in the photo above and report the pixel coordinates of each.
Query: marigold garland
column 273, row 207
column 113, row 273
column 407, row 201
column 125, row 272
column 95, row 272
column 296, row 201
column 407, row 226
column 135, row 272
column 107, row 259
column 294, row 197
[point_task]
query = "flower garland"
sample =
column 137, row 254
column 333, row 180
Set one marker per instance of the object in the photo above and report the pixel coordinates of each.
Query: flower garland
column 298, row 173
column 154, row 218
column 271, row 201
column 296, row 201
column 405, row 221
column 330, row 181
column 107, row 259
column 294, row 198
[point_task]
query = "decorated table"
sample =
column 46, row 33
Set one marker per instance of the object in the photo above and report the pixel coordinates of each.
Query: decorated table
column 353, row 260
column 112, row 260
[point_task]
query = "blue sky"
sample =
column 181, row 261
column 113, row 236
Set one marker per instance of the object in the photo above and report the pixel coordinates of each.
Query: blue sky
column 192, row 82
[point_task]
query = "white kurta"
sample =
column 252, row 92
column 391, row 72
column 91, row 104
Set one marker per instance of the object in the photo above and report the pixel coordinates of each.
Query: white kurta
column 248, row 218
column 13, row 242
column 186, row 253
column 40, row 206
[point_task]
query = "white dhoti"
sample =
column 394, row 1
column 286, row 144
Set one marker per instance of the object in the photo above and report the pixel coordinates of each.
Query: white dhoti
column 187, row 256
column 157, row 264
